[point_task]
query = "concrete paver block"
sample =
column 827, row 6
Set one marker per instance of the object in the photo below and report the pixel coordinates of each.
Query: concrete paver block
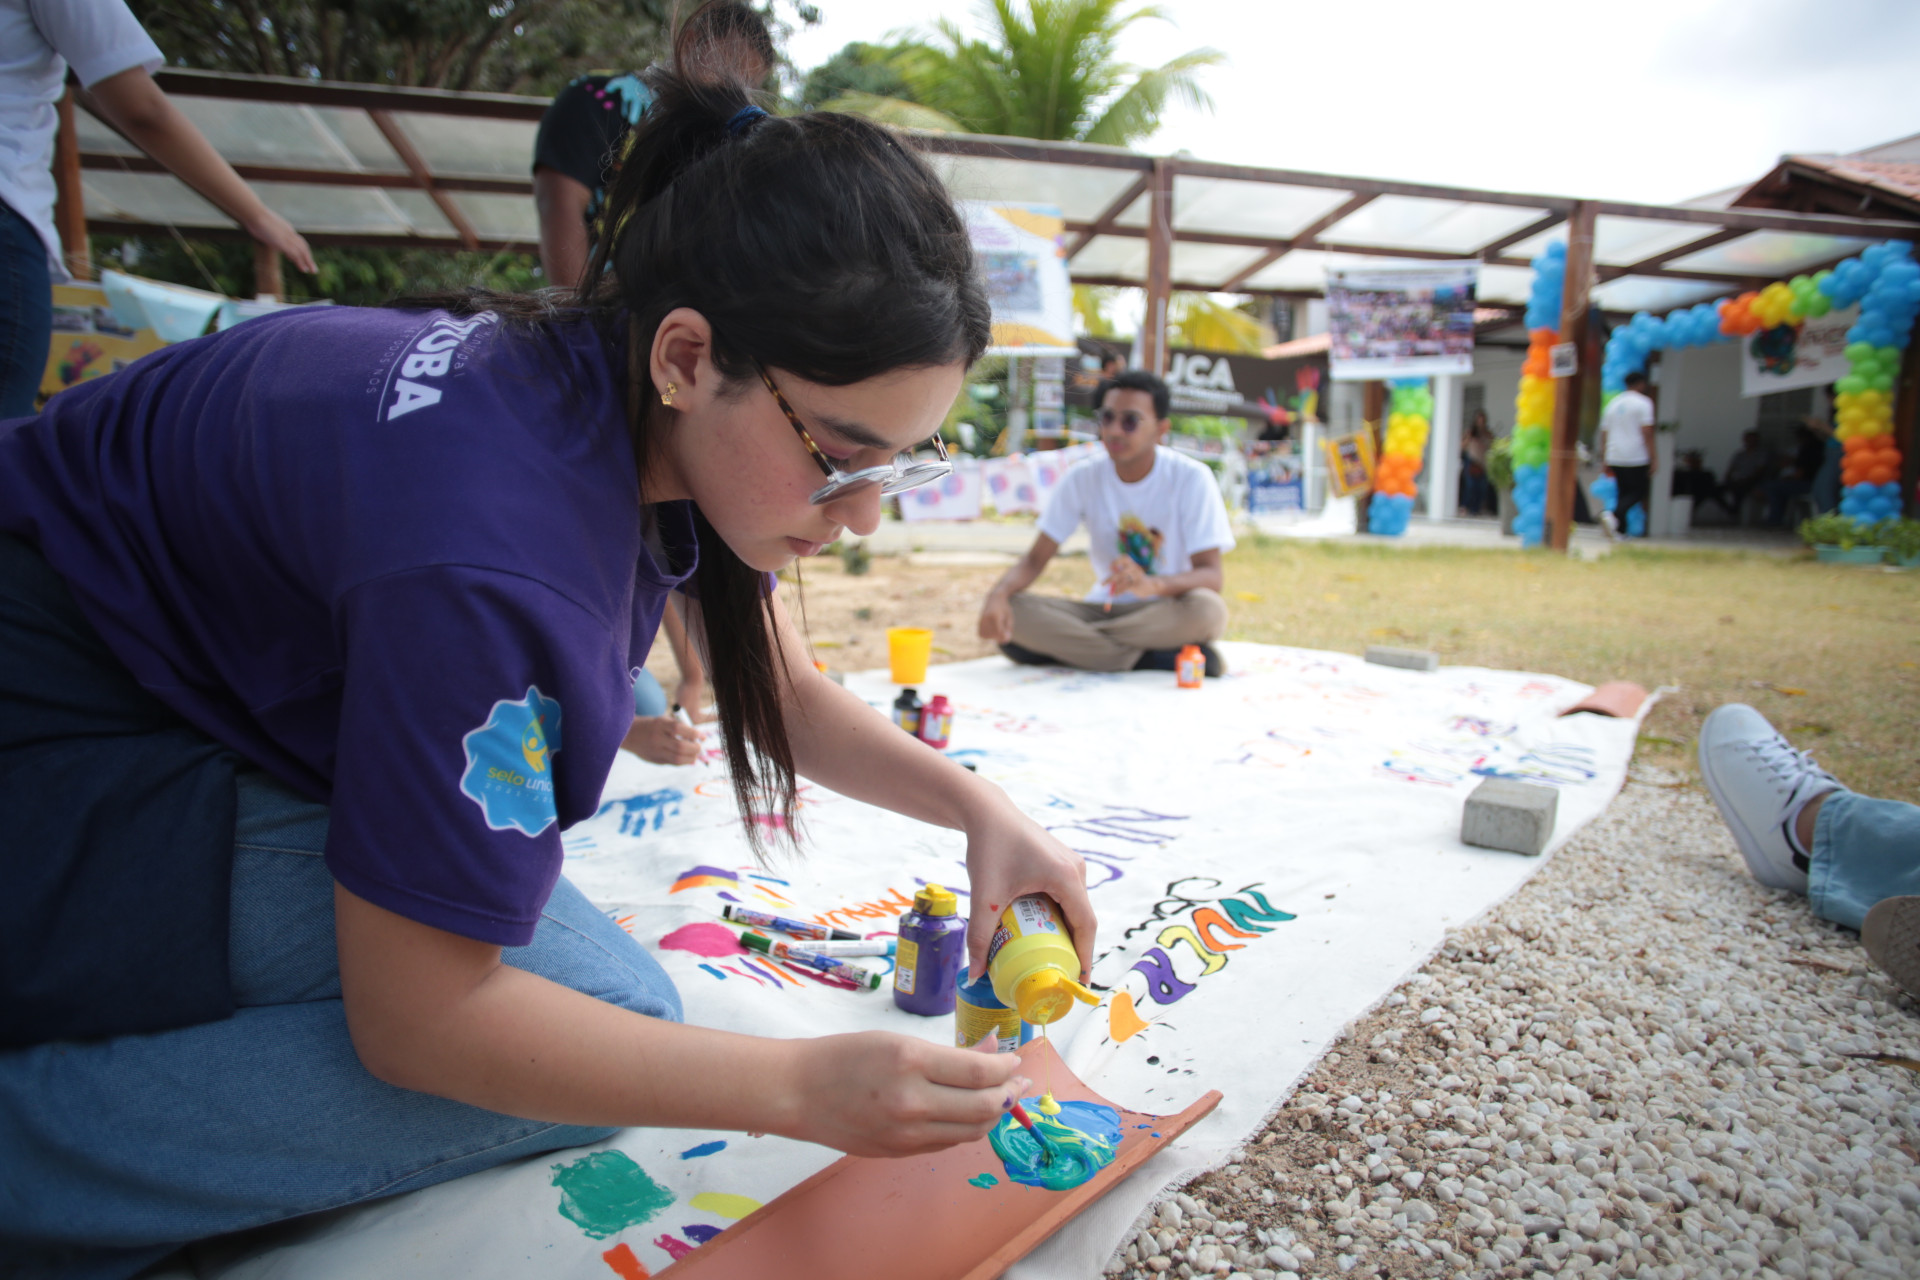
column 1412, row 659
column 1505, row 814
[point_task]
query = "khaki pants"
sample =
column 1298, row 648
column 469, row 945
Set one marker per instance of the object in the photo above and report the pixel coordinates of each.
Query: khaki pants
column 1081, row 634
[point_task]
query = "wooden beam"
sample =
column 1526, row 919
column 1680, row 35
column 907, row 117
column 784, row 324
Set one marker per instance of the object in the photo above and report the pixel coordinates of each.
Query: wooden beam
column 1119, row 205
column 112, row 163
column 267, row 280
column 1490, row 252
column 1906, row 424
column 1764, row 220
column 70, row 200
column 177, row 82
column 423, row 177
column 1159, row 269
column 1563, row 455
column 330, row 239
column 1192, row 286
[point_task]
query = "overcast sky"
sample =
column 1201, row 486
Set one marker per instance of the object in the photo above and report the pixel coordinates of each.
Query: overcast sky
column 1654, row 100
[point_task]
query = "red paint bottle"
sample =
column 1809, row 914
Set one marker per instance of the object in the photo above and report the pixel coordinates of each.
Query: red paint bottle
column 936, row 722
column 1190, row 668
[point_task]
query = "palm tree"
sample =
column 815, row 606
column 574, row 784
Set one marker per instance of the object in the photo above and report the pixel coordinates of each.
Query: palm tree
column 1046, row 70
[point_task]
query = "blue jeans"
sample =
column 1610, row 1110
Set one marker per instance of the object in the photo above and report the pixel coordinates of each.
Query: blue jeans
column 1863, row 850
column 649, row 699
column 114, row 1152
column 26, row 314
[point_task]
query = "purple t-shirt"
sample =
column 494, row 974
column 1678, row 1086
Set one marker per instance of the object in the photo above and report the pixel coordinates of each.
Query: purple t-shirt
column 395, row 558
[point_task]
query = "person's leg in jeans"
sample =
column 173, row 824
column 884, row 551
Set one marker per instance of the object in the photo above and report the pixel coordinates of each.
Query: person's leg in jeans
column 649, row 699
column 26, row 314
column 122, row 1149
column 1855, row 857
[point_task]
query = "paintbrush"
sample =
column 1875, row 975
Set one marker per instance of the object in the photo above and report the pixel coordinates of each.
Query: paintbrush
column 1020, row 1114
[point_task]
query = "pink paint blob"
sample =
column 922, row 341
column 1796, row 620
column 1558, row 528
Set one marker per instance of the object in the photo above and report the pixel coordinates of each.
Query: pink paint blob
column 704, row 939
column 677, row 1249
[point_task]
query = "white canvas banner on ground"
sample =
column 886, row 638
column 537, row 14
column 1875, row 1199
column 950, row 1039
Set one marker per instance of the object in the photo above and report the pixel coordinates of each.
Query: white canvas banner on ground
column 1269, row 856
column 1401, row 320
column 1022, row 254
column 1807, row 353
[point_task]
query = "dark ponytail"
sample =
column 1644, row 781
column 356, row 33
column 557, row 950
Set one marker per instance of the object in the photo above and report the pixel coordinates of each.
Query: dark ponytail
column 817, row 245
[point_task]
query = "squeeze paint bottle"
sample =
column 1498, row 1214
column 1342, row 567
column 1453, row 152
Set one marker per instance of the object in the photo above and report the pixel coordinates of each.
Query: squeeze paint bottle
column 906, row 711
column 1190, row 667
column 933, row 943
column 978, row 1013
column 1031, row 961
column 936, row 722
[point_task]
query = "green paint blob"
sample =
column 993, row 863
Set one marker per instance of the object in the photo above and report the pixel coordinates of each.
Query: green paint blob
column 1080, row 1141
column 984, row 1180
column 606, row 1192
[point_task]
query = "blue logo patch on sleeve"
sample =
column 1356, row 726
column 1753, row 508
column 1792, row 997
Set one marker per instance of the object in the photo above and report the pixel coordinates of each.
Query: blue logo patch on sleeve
column 510, row 763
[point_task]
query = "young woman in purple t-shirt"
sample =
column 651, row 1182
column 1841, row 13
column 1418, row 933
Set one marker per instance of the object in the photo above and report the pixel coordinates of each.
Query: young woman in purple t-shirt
column 392, row 567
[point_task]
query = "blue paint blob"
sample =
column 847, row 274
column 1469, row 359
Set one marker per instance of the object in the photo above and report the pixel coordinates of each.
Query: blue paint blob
column 1080, row 1141
column 699, row 1232
column 715, row 972
column 984, row 1180
column 704, row 1149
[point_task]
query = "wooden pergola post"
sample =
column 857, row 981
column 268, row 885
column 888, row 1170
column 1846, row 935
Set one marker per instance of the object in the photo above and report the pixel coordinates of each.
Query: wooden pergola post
column 1153, row 326
column 267, row 280
column 1906, row 424
column 1563, row 456
column 70, row 201
column 1373, row 416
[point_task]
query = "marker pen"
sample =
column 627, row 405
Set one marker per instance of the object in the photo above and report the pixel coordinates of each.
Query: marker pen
column 866, row 978
column 864, row 947
column 798, row 928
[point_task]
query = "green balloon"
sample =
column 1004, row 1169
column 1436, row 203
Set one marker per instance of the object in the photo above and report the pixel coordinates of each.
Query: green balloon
column 1852, row 385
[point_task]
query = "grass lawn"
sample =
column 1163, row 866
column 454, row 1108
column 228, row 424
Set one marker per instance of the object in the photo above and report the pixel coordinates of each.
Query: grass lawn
column 1830, row 653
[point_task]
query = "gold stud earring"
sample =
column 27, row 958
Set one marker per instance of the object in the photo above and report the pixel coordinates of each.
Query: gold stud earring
column 666, row 397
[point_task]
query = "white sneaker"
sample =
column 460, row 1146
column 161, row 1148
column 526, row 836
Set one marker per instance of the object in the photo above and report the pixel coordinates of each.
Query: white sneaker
column 1891, row 934
column 1759, row 781
column 1610, row 525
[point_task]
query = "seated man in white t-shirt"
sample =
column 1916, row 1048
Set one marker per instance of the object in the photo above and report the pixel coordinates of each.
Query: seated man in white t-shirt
column 1156, row 531
column 1626, row 446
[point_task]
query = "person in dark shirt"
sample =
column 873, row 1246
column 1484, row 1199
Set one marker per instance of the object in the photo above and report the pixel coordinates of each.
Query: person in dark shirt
column 1809, row 455
column 583, row 137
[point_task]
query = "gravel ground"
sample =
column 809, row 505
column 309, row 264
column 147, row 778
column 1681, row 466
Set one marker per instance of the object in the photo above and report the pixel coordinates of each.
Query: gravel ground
column 1634, row 1067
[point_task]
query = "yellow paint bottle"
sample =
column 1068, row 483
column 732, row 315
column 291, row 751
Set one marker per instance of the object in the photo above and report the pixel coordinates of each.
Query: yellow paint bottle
column 1032, row 963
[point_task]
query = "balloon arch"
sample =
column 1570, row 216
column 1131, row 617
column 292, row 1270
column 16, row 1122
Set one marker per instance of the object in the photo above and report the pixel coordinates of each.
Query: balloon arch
column 1884, row 280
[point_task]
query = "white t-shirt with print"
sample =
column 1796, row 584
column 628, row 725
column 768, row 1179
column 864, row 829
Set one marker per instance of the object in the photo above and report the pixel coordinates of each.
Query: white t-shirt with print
column 1626, row 446
column 39, row 39
column 1161, row 521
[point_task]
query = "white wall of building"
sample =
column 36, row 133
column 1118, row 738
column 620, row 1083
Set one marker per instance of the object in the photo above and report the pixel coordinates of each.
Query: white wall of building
column 1699, row 388
column 1496, row 371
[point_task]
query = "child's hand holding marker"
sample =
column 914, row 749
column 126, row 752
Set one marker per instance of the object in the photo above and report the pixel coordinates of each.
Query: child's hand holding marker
column 669, row 739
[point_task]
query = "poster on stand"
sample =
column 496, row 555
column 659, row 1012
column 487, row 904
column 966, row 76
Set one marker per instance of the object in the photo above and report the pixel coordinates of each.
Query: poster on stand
column 1805, row 353
column 1405, row 320
column 1021, row 249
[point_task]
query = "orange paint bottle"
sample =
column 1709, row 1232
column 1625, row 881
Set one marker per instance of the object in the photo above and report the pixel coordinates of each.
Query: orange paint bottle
column 1190, row 668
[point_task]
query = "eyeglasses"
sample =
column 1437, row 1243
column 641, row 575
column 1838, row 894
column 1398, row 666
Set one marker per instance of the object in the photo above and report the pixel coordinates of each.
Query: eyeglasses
column 1129, row 422
column 902, row 473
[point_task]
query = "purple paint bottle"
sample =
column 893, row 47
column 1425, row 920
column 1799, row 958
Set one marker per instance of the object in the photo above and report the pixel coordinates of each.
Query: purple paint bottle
column 933, row 942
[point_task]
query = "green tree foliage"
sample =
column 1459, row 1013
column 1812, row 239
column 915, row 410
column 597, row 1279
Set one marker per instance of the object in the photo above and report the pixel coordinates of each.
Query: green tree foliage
column 858, row 68
column 1048, row 69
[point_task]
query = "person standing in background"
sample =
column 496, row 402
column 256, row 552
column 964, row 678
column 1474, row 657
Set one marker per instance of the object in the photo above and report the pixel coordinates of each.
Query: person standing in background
column 114, row 59
column 1476, row 491
column 1626, row 446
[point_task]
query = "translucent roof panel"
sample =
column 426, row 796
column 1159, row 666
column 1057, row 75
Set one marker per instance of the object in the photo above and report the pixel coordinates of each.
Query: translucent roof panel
column 1416, row 222
column 1112, row 256
column 1645, row 293
column 148, row 197
column 1227, row 206
column 1304, row 269
column 272, row 133
column 464, row 147
column 499, row 217
column 96, row 136
column 1772, row 254
column 1504, row 284
column 1081, row 192
column 351, row 210
column 1621, row 242
column 1210, row 263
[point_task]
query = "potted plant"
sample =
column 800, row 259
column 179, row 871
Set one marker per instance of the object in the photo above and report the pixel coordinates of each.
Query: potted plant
column 1901, row 540
column 1838, row 539
column 1500, row 476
